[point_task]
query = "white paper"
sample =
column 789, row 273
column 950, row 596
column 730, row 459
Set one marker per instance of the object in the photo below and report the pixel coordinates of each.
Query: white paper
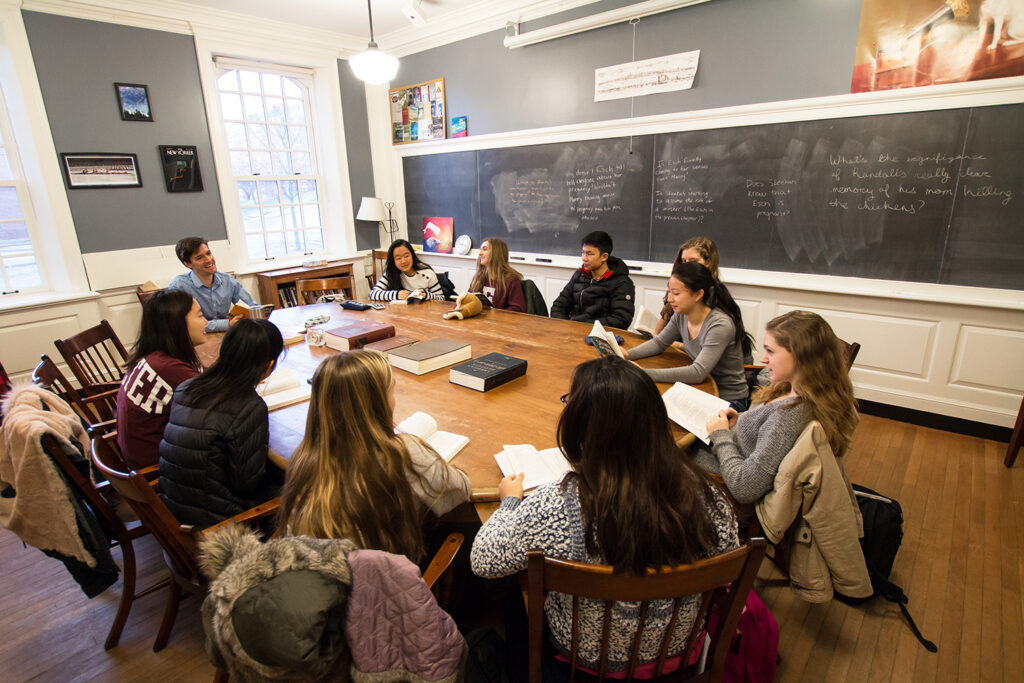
column 540, row 467
column 283, row 388
column 646, row 77
column 691, row 408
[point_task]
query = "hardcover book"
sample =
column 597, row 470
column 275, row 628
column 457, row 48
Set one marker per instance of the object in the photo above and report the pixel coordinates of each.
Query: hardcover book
column 427, row 356
column 486, row 372
column 386, row 345
column 354, row 334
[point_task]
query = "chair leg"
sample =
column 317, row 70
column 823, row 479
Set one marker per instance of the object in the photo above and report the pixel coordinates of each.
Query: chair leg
column 127, row 595
column 1016, row 438
column 170, row 614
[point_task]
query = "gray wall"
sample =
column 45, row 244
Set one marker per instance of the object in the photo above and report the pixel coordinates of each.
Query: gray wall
column 357, row 146
column 763, row 51
column 78, row 62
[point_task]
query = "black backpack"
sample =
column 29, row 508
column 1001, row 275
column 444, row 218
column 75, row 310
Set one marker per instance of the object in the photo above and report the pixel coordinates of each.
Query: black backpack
column 883, row 533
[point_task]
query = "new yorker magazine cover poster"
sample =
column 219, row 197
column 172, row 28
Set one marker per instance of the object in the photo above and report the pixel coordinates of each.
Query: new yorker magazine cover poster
column 438, row 234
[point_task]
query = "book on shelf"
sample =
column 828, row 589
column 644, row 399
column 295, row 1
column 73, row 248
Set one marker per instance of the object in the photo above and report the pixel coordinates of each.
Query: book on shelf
column 691, row 408
column 386, row 345
column 604, row 341
column 283, row 388
column 486, row 372
column 646, row 322
column 427, row 356
column 539, row 467
column 354, row 334
column 424, row 426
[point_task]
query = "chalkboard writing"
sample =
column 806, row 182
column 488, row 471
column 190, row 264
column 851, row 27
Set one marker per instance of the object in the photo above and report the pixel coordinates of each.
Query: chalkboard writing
column 923, row 196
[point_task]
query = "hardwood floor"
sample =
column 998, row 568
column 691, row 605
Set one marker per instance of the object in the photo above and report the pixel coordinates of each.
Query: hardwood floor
column 961, row 563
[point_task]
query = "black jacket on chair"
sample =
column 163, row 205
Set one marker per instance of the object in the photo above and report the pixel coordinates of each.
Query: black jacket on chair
column 608, row 299
column 213, row 458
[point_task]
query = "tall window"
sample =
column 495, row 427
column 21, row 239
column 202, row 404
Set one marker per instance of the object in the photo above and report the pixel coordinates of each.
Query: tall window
column 267, row 121
column 19, row 267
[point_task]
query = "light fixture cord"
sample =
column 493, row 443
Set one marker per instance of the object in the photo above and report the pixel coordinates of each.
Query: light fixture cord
column 634, row 21
column 369, row 11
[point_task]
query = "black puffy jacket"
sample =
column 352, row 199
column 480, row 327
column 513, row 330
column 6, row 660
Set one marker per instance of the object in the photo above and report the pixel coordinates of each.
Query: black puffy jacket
column 213, row 459
column 608, row 299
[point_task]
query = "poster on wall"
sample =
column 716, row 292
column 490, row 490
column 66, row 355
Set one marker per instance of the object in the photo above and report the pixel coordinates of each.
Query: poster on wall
column 438, row 234
column 100, row 170
column 646, row 77
column 418, row 112
column 181, row 168
column 927, row 42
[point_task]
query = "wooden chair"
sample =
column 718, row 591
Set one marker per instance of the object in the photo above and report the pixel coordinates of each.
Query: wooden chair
column 723, row 583
column 177, row 540
column 95, row 356
column 849, row 350
column 378, row 258
column 1016, row 438
column 309, row 291
column 98, row 406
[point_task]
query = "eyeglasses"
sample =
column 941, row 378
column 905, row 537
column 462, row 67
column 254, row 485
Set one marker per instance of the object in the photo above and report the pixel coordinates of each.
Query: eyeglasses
column 563, row 398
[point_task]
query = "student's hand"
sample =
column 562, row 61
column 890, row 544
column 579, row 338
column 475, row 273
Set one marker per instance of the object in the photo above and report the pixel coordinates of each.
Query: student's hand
column 724, row 420
column 234, row 319
column 403, row 294
column 511, row 486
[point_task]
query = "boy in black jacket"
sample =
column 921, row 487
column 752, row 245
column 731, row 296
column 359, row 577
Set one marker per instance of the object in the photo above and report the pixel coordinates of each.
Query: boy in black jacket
column 600, row 289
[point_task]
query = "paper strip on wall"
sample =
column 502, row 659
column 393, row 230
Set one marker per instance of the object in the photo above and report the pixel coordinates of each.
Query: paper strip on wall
column 660, row 74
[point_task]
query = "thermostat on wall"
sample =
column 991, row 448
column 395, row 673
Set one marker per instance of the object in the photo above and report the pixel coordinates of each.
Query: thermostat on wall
column 463, row 244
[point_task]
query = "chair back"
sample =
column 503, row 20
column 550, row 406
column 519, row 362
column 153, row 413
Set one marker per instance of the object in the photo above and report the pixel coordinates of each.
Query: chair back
column 309, row 291
column 722, row 582
column 95, row 356
column 93, row 407
column 534, row 300
column 850, row 351
column 380, row 260
column 5, row 381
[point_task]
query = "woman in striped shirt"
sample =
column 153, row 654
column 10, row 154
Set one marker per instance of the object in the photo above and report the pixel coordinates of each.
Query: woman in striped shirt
column 406, row 276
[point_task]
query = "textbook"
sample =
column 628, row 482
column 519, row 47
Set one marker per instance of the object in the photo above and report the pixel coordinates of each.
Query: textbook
column 646, row 322
column 691, row 408
column 604, row 341
column 283, row 389
column 540, row 467
column 422, row 425
column 385, row 345
column 354, row 334
column 486, row 372
column 427, row 356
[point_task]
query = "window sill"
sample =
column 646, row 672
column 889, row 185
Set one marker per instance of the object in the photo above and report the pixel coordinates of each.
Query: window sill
column 44, row 299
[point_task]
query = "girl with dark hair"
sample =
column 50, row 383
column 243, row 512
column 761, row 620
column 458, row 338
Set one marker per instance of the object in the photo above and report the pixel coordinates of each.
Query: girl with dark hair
column 163, row 357
column 496, row 279
column 213, row 456
column 632, row 500
column 404, row 274
column 708, row 323
column 704, row 251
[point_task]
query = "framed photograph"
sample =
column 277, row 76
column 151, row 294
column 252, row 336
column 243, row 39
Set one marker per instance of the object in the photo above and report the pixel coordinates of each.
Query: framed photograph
column 438, row 234
column 418, row 112
column 181, row 168
column 100, row 170
column 133, row 100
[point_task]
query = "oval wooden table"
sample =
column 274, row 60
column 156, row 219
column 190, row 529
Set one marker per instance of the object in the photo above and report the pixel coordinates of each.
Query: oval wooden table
column 524, row 410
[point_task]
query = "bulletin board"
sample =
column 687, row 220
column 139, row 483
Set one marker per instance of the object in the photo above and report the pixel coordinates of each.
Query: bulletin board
column 418, row 112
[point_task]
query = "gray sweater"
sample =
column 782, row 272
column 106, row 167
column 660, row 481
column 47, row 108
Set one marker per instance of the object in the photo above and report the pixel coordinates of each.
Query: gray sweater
column 748, row 455
column 714, row 352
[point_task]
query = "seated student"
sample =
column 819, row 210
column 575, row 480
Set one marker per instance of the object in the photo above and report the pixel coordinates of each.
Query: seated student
column 810, row 381
column 708, row 323
column 600, row 290
column 699, row 249
column 163, row 357
column 632, row 501
column 351, row 466
column 215, row 291
column 496, row 279
column 213, row 457
column 404, row 274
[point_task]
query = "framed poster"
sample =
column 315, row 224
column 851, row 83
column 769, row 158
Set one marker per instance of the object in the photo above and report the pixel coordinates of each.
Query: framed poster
column 100, row 170
column 418, row 112
column 181, row 168
column 133, row 100
column 438, row 234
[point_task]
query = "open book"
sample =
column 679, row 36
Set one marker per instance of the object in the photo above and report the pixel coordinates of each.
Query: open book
column 646, row 322
column 691, row 408
column 604, row 341
column 255, row 311
column 283, row 388
column 422, row 425
column 540, row 467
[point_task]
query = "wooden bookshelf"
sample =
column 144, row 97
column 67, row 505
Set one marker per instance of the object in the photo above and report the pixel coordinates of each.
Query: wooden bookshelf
column 278, row 286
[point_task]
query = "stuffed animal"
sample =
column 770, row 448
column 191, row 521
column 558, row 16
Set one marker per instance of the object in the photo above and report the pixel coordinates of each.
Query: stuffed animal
column 466, row 306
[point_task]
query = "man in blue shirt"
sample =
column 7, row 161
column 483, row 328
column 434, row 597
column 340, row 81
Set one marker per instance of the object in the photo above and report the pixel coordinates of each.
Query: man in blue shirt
column 214, row 291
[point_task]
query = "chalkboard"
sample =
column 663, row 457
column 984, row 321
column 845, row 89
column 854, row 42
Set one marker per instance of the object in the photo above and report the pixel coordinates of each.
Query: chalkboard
column 921, row 197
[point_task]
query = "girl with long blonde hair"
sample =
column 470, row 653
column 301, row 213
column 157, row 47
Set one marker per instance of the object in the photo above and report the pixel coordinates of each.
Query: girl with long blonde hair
column 352, row 476
column 496, row 279
column 809, row 381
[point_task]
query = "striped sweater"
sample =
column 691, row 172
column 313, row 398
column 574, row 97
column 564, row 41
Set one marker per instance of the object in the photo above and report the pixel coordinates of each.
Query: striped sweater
column 425, row 279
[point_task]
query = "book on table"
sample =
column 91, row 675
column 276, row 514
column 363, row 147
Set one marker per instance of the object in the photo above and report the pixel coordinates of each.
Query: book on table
column 604, row 341
column 354, row 334
column 691, row 408
column 539, row 467
column 283, row 388
column 386, row 345
column 486, row 372
column 427, row 356
column 424, row 426
column 646, row 322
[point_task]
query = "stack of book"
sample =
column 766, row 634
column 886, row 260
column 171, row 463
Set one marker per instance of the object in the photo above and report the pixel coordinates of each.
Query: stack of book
column 427, row 356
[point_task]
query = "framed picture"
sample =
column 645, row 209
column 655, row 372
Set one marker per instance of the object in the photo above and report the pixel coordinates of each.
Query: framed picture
column 438, row 234
column 100, row 170
column 418, row 112
column 134, row 102
column 181, row 168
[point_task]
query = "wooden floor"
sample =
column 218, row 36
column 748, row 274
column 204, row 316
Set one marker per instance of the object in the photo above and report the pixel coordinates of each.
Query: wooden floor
column 961, row 563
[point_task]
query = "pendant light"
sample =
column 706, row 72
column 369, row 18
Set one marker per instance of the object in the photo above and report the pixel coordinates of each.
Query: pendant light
column 371, row 65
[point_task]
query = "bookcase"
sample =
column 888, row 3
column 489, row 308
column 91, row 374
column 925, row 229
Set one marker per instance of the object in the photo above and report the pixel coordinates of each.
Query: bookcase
column 278, row 286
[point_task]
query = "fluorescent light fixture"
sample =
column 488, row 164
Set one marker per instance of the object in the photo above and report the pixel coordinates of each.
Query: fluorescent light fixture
column 371, row 65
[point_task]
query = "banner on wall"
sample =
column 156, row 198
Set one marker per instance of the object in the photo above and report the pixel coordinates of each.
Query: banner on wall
column 927, row 42
column 646, row 77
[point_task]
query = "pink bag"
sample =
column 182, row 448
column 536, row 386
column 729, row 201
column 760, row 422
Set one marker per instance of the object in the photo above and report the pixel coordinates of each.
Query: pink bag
column 754, row 651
